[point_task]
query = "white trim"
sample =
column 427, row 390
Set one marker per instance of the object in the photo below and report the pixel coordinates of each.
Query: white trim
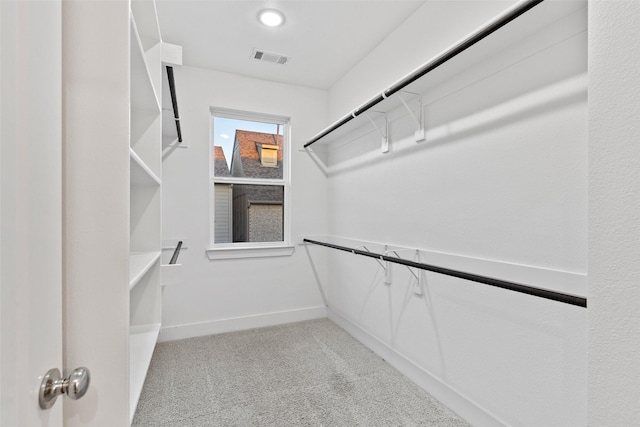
column 248, row 115
column 247, row 181
column 251, row 250
column 178, row 332
column 450, row 397
column 171, row 54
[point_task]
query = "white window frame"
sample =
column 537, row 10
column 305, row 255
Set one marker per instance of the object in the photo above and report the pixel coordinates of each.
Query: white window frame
column 251, row 249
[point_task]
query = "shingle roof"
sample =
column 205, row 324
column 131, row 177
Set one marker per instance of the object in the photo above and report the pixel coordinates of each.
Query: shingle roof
column 220, row 165
column 247, row 145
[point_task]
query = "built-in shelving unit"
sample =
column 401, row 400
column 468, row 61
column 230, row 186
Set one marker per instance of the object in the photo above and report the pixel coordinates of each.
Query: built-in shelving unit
column 145, row 152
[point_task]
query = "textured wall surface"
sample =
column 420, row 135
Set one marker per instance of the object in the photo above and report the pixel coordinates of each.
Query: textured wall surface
column 614, row 213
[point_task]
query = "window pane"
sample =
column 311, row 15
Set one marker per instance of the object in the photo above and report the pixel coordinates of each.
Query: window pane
column 249, row 213
column 247, row 149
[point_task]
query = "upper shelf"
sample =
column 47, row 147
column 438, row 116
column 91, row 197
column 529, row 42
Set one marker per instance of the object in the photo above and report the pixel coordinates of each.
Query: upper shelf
column 146, row 18
column 141, row 174
column 525, row 18
column 143, row 94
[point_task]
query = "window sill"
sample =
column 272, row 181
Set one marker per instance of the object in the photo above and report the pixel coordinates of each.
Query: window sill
column 249, row 252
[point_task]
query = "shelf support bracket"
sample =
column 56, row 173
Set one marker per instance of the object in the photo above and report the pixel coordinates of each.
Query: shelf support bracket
column 385, row 265
column 419, row 121
column 416, row 273
column 387, row 274
column 384, row 133
column 377, row 260
column 387, row 270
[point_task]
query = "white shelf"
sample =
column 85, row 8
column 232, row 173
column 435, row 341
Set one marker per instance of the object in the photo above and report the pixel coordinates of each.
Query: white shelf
column 145, row 206
column 143, row 94
column 146, row 18
column 550, row 20
column 142, row 341
column 139, row 264
column 141, row 174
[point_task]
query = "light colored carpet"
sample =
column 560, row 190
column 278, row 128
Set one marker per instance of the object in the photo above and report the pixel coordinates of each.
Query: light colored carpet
column 302, row 374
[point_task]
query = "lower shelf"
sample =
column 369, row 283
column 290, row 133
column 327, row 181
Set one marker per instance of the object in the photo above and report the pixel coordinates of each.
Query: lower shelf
column 142, row 342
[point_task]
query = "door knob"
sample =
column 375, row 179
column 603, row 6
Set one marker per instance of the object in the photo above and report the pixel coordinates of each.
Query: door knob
column 52, row 386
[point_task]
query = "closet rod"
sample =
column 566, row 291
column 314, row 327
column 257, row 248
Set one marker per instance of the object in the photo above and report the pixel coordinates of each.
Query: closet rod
column 516, row 287
column 484, row 31
column 176, row 252
column 174, row 101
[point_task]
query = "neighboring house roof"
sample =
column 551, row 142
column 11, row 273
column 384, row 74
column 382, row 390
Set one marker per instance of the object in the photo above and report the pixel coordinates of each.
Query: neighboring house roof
column 245, row 161
column 220, row 165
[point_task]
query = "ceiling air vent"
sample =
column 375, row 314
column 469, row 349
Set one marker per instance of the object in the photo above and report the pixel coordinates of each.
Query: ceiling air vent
column 274, row 58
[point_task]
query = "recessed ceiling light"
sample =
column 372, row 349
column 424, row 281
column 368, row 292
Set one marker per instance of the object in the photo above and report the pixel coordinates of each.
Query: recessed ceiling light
column 271, row 17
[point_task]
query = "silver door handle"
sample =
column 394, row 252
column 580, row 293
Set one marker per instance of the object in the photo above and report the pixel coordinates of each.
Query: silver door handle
column 52, row 386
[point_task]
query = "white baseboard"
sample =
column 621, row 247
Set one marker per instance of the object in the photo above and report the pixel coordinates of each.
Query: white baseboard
column 178, row 332
column 461, row 405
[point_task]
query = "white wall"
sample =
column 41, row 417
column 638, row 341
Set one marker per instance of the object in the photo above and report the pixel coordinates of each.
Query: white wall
column 499, row 187
column 430, row 30
column 222, row 295
column 614, row 214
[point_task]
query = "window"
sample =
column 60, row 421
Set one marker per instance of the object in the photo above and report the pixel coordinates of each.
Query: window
column 249, row 181
column 269, row 155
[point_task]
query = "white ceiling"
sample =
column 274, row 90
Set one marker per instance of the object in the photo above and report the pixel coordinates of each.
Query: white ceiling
column 322, row 38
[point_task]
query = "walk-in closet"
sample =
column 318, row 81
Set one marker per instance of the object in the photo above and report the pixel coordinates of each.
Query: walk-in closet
column 319, row 213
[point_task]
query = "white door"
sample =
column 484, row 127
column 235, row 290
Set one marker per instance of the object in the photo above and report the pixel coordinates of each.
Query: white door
column 30, row 209
column 96, row 161
column 64, row 208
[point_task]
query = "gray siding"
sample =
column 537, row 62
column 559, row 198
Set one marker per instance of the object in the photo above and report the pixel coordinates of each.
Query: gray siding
column 222, row 216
